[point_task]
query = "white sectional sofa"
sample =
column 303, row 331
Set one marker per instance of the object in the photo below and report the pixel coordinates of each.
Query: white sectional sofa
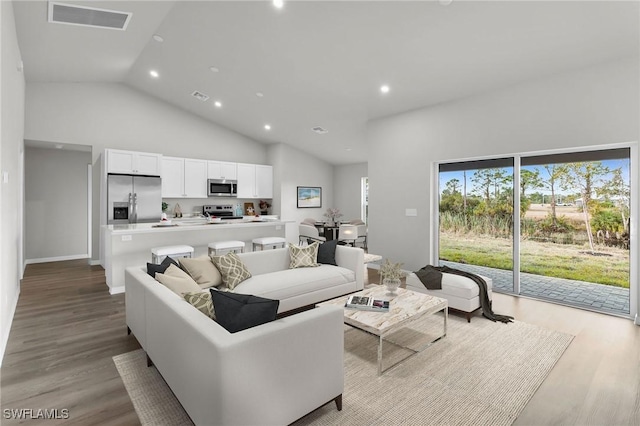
column 274, row 373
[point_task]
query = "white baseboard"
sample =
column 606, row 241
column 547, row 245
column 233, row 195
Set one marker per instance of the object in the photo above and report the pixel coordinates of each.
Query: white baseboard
column 116, row 290
column 56, row 259
column 95, row 262
column 7, row 329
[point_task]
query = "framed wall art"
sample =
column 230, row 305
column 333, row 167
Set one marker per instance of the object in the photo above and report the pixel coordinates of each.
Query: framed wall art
column 309, row 197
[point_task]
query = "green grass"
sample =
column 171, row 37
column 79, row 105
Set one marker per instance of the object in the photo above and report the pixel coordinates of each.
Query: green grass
column 547, row 259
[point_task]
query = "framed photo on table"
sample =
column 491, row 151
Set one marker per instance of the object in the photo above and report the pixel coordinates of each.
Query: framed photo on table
column 309, row 197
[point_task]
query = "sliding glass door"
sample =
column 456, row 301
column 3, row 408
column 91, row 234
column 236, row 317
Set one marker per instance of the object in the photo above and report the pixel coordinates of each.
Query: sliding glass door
column 476, row 218
column 574, row 239
column 572, row 220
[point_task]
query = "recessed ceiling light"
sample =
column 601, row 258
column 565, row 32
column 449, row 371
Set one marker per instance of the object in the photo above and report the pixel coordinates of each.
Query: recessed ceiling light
column 158, row 38
column 278, row 4
column 218, row 104
column 259, row 94
column 267, row 127
column 59, row 146
column 214, row 69
column 154, row 73
column 384, row 88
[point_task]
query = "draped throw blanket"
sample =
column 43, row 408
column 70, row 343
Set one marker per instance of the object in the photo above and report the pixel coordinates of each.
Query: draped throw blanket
column 431, row 277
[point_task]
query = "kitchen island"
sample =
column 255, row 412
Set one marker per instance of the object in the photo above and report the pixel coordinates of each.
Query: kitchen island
column 130, row 245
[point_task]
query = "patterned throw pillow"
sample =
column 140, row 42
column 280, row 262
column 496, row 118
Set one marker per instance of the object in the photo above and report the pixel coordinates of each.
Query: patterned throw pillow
column 232, row 269
column 303, row 257
column 201, row 301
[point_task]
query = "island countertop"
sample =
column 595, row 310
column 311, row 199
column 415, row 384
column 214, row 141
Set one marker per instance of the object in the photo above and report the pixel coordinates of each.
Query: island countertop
column 189, row 225
column 130, row 244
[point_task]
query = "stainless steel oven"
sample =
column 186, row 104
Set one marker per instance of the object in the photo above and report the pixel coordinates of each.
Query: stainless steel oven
column 222, row 188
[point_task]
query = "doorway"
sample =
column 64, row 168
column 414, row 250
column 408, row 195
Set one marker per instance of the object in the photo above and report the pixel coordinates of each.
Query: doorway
column 57, row 202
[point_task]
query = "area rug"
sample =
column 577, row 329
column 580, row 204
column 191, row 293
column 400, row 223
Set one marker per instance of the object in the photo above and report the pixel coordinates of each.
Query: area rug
column 481, row 373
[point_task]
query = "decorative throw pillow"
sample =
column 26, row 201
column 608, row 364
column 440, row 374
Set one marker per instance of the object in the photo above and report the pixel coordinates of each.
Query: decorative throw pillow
column 232, row 269
column 302, row 257
column 154, row 268
column 178, row 281
column 237, row 312
column 202, row 270
column 201, row 300
column 327, row 253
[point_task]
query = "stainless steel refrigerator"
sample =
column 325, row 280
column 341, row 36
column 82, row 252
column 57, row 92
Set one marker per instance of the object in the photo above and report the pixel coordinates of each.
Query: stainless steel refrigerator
column 133, row 199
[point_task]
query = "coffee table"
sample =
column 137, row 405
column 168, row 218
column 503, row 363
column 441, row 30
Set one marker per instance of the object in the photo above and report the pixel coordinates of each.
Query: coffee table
column 405, row 308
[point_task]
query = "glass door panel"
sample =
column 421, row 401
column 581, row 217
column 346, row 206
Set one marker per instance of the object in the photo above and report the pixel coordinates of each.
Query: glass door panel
column 574, row 233
column 476, row 219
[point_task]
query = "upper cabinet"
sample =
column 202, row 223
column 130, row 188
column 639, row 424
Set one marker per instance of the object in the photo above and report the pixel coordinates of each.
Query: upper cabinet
column 133, row 163
column 184, row 178
column 222, row 170
column 255, row 181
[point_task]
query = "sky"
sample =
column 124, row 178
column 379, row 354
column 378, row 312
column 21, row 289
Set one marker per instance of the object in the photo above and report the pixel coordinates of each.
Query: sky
column 611, row 164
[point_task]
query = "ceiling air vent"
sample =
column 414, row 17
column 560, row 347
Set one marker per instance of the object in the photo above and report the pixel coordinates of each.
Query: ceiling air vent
column 319, row 130
column 71, row 14
column 200, row 96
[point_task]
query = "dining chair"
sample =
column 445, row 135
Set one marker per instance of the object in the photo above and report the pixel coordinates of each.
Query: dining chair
column 309, row 232
column 362, row 231
column 348, row 233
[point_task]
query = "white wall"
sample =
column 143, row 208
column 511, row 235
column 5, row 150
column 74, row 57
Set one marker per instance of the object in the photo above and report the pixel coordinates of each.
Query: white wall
column 589, row 107
column 12, row 87
column 347, row 189
column 111, row 115
column 293, row 168
column 55, row 204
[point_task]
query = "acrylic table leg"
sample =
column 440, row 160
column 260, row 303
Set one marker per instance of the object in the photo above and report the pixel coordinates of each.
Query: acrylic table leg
column 380, row 357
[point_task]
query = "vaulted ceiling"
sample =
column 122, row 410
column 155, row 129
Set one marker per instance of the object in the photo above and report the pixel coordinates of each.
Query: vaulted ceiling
column 320, row 63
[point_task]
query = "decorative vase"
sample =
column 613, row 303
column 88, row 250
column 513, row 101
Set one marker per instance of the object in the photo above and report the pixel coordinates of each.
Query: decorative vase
column 392, row 285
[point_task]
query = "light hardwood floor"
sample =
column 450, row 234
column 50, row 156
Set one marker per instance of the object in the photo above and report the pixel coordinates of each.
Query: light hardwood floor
column 67, row 327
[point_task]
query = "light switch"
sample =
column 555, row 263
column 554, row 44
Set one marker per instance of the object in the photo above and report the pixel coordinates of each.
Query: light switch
column 5, row 177
column 411, row 212
column 126, row 238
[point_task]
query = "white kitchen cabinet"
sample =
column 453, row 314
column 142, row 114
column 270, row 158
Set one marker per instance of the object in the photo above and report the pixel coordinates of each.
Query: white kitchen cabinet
column 132, row 162
column 172, row 177
column 222, row 170
column 184, row 178
column 255, row 181
column 195, row 178
column 264, row 181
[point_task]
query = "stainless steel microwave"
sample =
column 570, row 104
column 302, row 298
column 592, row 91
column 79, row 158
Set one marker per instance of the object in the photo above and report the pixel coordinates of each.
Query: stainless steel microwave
column 222, row 188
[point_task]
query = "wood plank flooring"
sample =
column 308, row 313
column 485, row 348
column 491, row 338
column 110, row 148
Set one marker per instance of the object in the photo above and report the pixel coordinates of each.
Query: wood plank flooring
column 67, row 327
column 64, row 333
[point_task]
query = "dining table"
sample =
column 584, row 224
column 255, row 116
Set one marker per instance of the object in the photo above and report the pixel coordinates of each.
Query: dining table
column 328, row 230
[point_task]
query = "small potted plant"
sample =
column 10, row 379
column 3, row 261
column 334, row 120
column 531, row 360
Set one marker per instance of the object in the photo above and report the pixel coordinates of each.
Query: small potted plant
column 391, row 274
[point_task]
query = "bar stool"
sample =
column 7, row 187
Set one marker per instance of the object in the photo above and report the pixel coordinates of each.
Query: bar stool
column 226, row 246
column 159, row 253
column 268, row 242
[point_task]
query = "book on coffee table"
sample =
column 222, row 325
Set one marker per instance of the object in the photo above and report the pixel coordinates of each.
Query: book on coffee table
column 367, row 303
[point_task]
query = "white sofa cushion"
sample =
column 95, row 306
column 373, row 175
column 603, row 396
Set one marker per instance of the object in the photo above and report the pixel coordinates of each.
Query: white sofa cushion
column 294, row 282
column 460, row 286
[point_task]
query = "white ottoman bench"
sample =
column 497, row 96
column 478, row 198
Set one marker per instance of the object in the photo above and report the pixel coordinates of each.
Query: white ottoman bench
column 462, row 293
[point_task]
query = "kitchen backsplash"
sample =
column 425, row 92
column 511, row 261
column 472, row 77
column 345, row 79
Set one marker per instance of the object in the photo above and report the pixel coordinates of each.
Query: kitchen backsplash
column 193, row 206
